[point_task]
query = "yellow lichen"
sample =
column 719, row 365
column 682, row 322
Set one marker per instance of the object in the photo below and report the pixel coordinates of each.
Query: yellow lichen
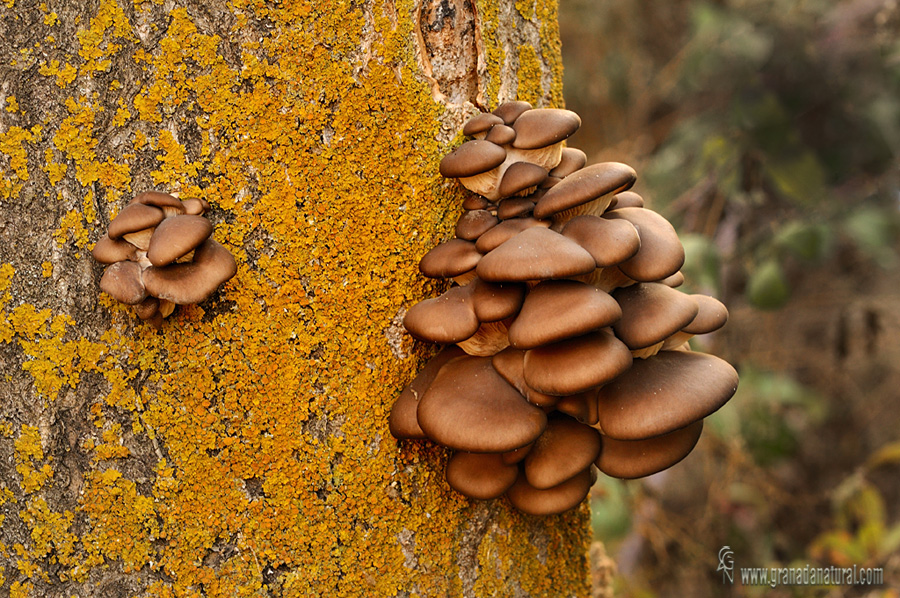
column 55, row 170
column 551, row 51
column 71, row 228
column 64, row 74
column 529, row 76
column 495, row 55
column 29, row 455
column 267, row 405
column 111, row 447
column 19, row 589
column 95, row 48
column 13, row 147
column 525, row 8
column 51, row 533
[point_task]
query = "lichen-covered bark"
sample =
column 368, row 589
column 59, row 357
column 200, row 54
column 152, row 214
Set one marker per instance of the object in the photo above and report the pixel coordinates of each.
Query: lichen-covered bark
column 243, row 449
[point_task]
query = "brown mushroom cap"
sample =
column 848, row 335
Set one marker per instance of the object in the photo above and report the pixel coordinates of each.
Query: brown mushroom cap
column 580, row 187
column 402, row 421
column 572, row 159
column 122, row 282
column 629, row 459
column 147, row 308
column 195, row 206
column 447, row 319
column 496, row 301
column 481, row 123
column 609, row 242
column 472, row 158
column 516, row 455
column 651, row 312
column 474, row 223
column 559, row 309
column 576, row 364
column 627, row 199
column 510, row 363
column 711, row 316
column 177, row 236
column 470, row 407
column 661, row 253
column 501, row 135
column 110, row 251
column 540, row 128
column 475, row 202
column 565, row 448
column 192, row 282
column 506, row 230
column 550, row 181
column 481, row 476
column 449, row 259
column 581, row 406
column 673, row 280
column 536, row 253
column 663, row 393
column 510, row 111
column 558, row 499
column 134, row 217
column 169, row 204
column 520, row 176
column 514, row 207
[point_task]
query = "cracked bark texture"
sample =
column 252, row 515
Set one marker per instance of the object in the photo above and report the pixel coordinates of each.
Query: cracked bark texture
column 243, row 449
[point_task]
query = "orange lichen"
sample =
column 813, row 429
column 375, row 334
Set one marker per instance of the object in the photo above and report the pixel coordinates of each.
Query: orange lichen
column 267, row 406
column 64, row 74
column 51, row 534
column 29, row 455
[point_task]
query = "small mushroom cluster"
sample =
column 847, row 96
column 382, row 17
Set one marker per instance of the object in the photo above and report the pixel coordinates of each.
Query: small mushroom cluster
column 566, row 337
column 161, row 254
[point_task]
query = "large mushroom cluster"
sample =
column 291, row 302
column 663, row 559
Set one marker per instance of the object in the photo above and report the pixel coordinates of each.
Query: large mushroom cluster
column 160, row 254
column 566, row 337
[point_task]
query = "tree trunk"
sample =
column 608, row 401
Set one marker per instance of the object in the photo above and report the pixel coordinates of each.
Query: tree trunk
column 243, row 450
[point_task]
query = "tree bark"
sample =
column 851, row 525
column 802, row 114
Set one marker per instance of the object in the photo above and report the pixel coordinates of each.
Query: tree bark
column 243, row 450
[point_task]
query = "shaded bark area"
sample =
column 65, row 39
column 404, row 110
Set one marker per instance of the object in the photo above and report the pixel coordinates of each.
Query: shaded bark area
column 243, row 449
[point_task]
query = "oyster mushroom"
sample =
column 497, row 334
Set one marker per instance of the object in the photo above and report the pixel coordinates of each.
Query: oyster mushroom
column 194, row 281
column 470, row 407
column 480, row 475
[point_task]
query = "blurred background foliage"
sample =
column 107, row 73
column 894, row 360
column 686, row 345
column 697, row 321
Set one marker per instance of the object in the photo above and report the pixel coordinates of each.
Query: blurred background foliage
column 768, row 132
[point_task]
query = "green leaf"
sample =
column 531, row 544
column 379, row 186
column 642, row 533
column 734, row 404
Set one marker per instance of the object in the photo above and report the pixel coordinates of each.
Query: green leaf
column 768, row 287
column 808, row 241
column 800, row 177
column 875, row 230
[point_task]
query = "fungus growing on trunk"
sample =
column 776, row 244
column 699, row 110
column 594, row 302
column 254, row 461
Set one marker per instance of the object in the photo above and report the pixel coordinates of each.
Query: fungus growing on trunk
column 159, row 254
column 570, row 349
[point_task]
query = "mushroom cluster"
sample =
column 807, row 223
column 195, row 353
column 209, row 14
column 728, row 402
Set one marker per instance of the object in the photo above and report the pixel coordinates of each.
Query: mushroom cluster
column 566, row 337
column 160, row 254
